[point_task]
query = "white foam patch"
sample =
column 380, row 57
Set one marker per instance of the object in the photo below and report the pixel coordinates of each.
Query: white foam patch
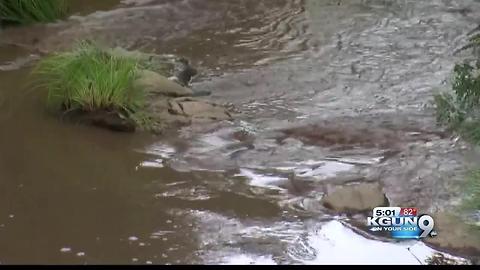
column 212, row 141
column 337, row 244
column 324, row 169
column 161, row 150
column 158, row 163
column 317, row 168
column 249, row 260
column 260, row 180
column 303, row 242
column 162, row 153
column 208, row 147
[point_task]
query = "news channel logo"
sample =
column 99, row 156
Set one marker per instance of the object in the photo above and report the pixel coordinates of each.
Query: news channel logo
column 401, row 223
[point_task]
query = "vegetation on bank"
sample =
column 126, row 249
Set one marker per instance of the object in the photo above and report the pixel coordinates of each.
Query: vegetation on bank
column 90, row 79
column 459, row 110
column 23, row 12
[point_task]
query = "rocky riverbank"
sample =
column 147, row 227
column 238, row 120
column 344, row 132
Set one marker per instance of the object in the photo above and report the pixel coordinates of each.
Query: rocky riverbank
column 125, row 91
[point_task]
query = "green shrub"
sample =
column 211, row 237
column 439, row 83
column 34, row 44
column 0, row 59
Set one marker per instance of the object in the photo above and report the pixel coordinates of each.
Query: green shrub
column 31, row 11
column 89, row 79
column 460, row 110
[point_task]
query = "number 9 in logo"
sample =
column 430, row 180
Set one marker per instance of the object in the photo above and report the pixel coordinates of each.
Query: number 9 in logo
column 426, row 223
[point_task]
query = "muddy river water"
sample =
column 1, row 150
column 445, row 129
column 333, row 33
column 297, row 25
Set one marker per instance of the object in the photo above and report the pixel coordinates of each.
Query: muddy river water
column 352, row 81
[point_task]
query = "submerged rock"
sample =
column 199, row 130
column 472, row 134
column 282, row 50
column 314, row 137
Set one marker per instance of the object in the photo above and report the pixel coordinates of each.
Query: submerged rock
column 355, row 198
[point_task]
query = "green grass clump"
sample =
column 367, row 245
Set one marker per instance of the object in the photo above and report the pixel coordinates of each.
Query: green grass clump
column 31, row 11
column 460, row 110
column 90, row 79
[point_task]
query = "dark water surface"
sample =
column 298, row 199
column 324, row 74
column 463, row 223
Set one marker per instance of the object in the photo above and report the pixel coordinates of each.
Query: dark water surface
column 76, row 194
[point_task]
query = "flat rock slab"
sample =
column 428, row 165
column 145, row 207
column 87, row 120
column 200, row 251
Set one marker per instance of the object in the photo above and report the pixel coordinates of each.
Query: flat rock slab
column 200, row 109
column 167, row 112
column 355, row 198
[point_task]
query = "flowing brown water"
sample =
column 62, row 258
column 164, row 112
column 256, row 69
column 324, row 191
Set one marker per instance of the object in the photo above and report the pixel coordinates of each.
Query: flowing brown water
column 76, row 194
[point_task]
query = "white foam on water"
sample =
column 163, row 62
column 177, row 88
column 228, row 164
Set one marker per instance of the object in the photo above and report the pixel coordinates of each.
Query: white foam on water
column 212, row 142
column 249, row 260
column 158, row 163
column 66, row 250
column 133, row 238
column 324, row 169
column 332, row 244
column 160, row 150
column 261, row 180
column 336, row 244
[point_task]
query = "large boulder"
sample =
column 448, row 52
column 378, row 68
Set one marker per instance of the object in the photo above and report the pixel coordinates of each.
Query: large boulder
column 155, row 84
column 355, row 198
column 167, row 65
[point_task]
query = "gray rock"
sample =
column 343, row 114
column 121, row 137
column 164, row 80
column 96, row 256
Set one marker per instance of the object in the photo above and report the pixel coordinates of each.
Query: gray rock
column 169, row 112
column 155, row 84
column 355, row 198
column 199, row 109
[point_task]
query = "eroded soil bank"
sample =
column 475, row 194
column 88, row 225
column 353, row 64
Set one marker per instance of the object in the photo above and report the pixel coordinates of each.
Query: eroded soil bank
column 331, row 93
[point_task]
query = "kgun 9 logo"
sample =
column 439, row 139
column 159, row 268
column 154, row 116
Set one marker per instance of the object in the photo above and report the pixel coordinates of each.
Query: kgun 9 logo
column 402, row 223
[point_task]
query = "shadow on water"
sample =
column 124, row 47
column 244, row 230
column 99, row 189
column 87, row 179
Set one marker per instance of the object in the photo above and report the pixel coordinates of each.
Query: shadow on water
column 79, row 7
